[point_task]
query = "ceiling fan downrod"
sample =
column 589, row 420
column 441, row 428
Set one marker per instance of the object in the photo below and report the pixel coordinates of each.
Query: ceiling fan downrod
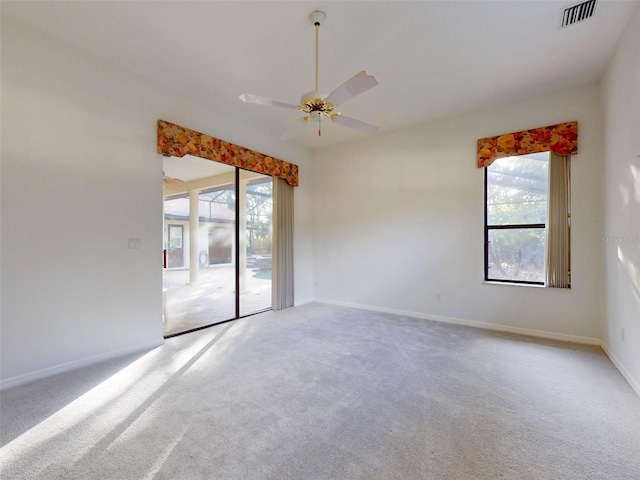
column 317, row 17
column 317, row 55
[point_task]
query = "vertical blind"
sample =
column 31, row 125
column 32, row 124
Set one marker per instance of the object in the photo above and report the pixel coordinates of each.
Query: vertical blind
column 282, row 255
column 558, row 223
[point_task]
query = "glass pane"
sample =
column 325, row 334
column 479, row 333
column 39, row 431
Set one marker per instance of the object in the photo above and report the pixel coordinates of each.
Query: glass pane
column 517, row 190
column 217, row 276
column 199, row 283
column 175, row 236
column 517, row 254
column 255, row 271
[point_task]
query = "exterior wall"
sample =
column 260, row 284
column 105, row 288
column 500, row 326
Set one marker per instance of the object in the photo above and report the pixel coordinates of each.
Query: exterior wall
column 203, row 238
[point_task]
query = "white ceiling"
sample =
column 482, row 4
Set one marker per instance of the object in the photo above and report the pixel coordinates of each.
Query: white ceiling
column 432, row 59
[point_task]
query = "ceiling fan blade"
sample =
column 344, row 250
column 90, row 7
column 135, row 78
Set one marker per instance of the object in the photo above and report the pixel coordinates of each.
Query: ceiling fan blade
column 175, row 184
column 293, row 129
column 357, row 84
column 355, row 124
column 249, row 98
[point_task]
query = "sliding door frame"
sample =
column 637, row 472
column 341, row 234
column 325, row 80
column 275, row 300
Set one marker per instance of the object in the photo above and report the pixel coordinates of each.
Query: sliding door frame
column 238, row 266
column 237, row 241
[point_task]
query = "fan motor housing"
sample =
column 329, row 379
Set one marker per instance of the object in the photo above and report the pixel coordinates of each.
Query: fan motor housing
column 312, row 96
column 315, row 105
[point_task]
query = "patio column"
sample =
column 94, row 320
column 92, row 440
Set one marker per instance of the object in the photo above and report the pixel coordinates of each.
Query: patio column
column 194, row 227
column 242, row 232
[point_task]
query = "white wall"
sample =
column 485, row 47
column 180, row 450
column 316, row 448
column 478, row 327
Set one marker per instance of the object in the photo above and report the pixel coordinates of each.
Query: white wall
column 303, row 235
column 80, row 175
column 621, row 242
column 398, row 218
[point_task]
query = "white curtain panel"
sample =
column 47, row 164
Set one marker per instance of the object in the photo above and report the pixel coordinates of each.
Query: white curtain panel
column 282, row 264
column 558, row 223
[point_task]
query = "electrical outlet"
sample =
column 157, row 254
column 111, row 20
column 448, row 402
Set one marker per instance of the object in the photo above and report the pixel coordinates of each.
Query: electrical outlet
column 622, row 334
column 438, row 297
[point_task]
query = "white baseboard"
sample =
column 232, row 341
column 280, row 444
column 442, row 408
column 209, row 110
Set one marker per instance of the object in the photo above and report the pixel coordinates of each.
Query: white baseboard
column 635, row 384
column 471, row 323
column 67, row 366
column 302, row 301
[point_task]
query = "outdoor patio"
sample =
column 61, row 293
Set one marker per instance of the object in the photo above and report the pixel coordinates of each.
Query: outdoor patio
column 212, row 298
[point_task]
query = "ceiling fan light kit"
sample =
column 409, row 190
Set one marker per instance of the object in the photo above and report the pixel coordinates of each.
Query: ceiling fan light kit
column 317, row 105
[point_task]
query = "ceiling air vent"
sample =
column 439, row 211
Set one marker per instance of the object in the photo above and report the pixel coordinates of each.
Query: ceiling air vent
column 578, row 13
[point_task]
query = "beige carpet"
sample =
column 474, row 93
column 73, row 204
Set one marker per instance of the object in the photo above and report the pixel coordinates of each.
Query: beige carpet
column 322, row 392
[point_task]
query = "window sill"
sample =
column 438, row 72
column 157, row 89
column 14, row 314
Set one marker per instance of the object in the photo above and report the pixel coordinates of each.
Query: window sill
column 529, row 285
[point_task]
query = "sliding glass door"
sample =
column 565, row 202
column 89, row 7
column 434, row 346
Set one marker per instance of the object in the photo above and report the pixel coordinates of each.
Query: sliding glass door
column 218, row 244
column 257, row 226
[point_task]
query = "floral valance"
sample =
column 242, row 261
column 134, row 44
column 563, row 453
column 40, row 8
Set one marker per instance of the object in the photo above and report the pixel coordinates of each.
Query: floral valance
column 561, row 138
column 177, row 141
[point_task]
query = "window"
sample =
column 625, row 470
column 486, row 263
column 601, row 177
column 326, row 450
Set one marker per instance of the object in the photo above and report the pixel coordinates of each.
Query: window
column 175, row 236
column 516, row 219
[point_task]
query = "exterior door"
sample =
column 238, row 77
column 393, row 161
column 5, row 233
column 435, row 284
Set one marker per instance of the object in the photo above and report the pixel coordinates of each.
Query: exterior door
column 220, row 245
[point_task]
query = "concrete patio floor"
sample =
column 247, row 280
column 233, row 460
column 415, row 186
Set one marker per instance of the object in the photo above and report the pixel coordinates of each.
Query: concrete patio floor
column 212, row 298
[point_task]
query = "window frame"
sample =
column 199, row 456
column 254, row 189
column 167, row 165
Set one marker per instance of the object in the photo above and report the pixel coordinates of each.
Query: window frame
column 488, row 227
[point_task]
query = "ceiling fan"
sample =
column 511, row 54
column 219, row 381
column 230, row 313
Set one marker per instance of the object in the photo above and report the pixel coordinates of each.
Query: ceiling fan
column 175, row 184
column 317, row 105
